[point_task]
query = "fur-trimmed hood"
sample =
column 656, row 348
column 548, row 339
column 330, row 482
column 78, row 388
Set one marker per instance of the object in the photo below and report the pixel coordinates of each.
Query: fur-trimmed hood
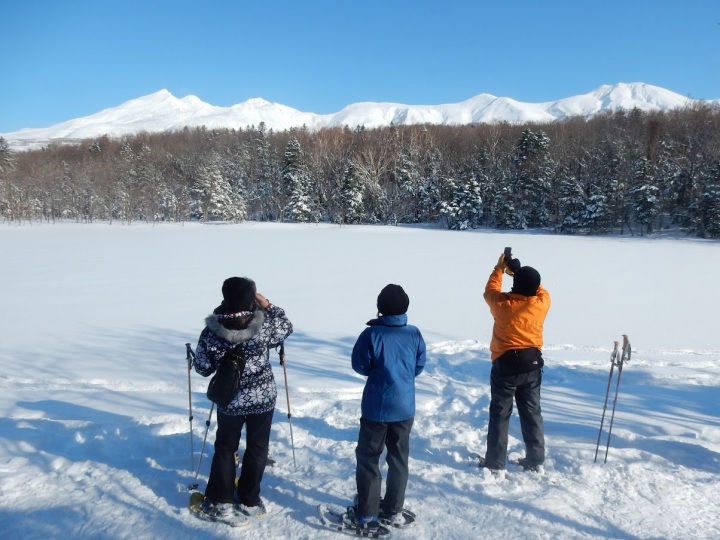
column 252, row 334
column 214, row 323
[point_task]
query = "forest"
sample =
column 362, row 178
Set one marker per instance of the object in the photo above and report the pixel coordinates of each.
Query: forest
column 626, row 172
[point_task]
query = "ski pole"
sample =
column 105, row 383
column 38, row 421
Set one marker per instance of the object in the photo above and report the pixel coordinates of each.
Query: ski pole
column 625, row 357
column 613, row 358
column 194, row 485
column 190, row 356
column 281, row 353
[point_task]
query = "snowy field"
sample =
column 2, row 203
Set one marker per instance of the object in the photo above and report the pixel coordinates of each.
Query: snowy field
column 95, row 442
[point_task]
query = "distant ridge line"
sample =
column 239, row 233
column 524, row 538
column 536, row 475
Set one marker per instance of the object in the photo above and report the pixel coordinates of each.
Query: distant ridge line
column 161, row 111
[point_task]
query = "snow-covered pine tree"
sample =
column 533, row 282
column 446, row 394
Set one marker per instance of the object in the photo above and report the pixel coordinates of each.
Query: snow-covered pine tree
column 148, row 185
column 126, row 182
column 644, row 196
column 213, row 195
column 470, row 201
column 608, row 189
column 351, row 196
column 708, row 218
column 571, row 203
column 430, row 192
column 670, row 183
column 7, row 166
column 263, row 176
column 448, row 205
column 408, row 180
column 531, row 178
column 297, row 185
column 7, row 158
column 503, row 202
column 596, row 216
column 464, row 209
column 415, row 176
column 483, row 170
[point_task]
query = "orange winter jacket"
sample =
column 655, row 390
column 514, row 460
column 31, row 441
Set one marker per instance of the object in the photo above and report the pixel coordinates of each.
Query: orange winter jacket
column 518, row 318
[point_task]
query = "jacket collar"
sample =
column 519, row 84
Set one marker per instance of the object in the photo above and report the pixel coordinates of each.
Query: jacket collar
column 236, row 336
column 389, row 320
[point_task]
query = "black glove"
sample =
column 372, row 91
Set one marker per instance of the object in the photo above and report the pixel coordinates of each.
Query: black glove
column 513, row 266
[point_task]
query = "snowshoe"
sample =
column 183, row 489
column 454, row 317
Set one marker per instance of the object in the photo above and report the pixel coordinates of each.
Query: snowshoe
column 345, row 522
column 217, row 513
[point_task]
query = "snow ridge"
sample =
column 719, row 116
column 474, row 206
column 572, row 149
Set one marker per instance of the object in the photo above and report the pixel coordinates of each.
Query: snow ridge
column 162, row 112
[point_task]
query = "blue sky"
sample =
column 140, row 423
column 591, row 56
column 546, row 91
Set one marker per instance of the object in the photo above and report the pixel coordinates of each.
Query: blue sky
column 66, row 59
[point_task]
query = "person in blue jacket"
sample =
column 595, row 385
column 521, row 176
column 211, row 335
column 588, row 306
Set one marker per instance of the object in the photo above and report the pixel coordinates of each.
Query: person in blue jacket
column 390, row 353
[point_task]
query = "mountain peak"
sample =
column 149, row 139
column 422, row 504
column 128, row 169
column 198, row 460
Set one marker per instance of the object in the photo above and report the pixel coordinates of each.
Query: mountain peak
column 162, row 111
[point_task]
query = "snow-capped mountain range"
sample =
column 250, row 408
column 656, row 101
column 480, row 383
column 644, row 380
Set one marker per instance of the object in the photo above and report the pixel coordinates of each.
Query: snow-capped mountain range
column 161, row 111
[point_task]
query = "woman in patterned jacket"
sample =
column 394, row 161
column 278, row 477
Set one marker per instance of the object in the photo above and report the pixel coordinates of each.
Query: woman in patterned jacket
column 247, row 322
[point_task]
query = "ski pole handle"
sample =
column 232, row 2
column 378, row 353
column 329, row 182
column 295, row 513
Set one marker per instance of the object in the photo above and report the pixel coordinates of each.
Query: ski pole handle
column 281, row 353
column 626, row 349
column 615, row 353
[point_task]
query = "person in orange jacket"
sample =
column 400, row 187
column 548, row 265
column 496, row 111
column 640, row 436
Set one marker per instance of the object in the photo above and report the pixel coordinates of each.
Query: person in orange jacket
column 515, row 351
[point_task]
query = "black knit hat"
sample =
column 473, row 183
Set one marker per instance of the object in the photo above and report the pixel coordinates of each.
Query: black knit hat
column 526, row 281
column 392, row 300
column 238, row 294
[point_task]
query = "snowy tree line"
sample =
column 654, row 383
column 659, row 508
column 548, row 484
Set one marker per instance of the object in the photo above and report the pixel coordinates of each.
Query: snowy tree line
column 633, row 171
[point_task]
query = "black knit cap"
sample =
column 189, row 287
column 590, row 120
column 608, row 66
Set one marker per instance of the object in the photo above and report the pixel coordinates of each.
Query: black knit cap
column 238, row 294
column 526, row 281
column 392, row 300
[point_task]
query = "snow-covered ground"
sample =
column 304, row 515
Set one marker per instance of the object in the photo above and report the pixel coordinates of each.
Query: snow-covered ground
column 95, row 442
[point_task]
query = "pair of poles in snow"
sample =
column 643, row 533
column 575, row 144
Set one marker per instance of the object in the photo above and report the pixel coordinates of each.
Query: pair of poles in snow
column 617, row 358
column 190, row 358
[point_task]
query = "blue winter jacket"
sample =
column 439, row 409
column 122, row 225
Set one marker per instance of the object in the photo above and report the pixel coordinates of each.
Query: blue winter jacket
column 390, row 353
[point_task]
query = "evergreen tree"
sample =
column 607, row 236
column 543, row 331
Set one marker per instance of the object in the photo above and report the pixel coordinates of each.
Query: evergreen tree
column 7, row 166
column 351, row 196
column 645, row 196
column 7, row 158
column 504, row 212
column 233, row 167
column 464, row 209
column 571, row 203
column 608, row 192
column 596, row 215
column 148, row 185
column 502, row 199
column 297, row 185
column 671, row 184
column 708, row 205
column 416, row 180
column 430, row 193
column 482, row 169
column 264, row 185
column 214, row 197
column 531, row 180
column 127, row 182
column 409, row 183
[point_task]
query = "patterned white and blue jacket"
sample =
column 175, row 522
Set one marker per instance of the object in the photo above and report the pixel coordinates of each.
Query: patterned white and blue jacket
column 262, row 331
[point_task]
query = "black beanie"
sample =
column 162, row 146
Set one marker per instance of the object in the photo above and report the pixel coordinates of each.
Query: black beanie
column 238, row 294
column 392, row 300
column 526, row 281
